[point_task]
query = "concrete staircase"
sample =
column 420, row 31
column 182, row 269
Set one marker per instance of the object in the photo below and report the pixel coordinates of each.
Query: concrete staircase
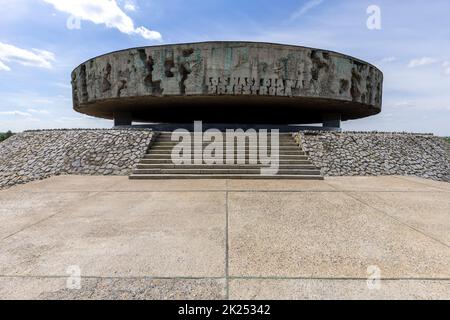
column 157, row 164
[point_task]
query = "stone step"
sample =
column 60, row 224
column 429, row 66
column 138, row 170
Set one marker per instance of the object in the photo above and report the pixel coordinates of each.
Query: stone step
column 174, row 143
column 169, row 138
column 224, row 176
column 281, row 146
column 157, row 163
column 219, row 166
column 224, row 136
column 169, row 134
column 280, row 151
column 281, row 157
column 169, row 161
column 224, row 171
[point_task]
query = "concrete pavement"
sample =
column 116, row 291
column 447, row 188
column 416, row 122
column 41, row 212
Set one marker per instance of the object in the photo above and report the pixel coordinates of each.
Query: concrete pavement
column 218, row 239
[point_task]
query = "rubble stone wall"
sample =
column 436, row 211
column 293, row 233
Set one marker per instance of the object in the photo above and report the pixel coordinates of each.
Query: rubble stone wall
column 34, row 155
column 374, row 153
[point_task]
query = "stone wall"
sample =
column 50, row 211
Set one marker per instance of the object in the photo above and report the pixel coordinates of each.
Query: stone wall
column 33, row 155
column 373, row 153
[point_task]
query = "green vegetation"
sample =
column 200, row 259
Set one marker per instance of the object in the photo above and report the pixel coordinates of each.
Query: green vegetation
column 5, row 135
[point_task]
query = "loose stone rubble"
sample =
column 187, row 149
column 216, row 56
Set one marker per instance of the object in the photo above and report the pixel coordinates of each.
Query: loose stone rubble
column 377, row 153
column 34, row 155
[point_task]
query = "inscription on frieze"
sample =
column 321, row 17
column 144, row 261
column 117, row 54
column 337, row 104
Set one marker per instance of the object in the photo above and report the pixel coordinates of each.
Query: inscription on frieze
column 252, row 86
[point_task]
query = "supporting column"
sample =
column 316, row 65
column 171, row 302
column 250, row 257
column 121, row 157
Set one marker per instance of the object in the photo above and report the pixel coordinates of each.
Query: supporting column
column 331, row 121
column 122, row 119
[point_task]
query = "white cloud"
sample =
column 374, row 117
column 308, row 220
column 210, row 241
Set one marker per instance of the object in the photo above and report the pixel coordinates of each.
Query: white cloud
column 129, row 5
column 63, row 85
column 421, row 62
column 33, row 57
column 4, row 67
column 388, row 59
column 41, row 111
column 401, row 104
column 15, row 113
column 305, row 8
column 446, row 66
column 68, row 119
column 148, row 34
column 105, row 12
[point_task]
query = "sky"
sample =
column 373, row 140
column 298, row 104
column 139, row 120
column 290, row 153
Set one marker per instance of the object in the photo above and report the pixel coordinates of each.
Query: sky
column 42, row 41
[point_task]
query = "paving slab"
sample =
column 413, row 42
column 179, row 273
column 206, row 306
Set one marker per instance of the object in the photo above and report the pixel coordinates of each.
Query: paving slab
column 381, row 184
column 166, row 239
column 427, row 212
column 328, row 289
column 278, row 185
column 69, row 183
column 445, row 186
column 13, row 288
column 171, row 185
column 19, row 210
column 325, row 235
column 178, row 234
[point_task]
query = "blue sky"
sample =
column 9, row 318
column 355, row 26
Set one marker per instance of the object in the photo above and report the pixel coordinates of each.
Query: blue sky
column 41, row 41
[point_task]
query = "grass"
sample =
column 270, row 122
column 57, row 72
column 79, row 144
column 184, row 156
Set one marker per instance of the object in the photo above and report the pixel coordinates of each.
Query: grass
column 5, row 135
